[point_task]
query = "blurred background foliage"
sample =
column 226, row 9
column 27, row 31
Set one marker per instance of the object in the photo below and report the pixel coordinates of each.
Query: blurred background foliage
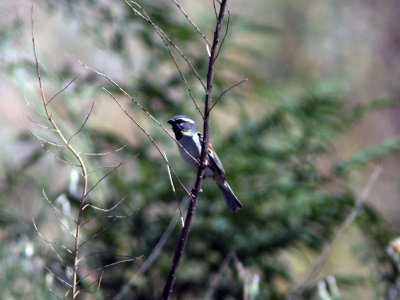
column 298, row 140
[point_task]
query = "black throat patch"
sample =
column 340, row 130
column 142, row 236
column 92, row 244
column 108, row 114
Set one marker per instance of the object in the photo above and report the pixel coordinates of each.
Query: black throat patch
column 177, row 131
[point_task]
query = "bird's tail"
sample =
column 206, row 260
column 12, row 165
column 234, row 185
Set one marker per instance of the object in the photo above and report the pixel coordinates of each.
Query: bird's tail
column 230, row 198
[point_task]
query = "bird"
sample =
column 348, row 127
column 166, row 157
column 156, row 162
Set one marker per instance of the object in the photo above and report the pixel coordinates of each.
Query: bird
column 190, row 145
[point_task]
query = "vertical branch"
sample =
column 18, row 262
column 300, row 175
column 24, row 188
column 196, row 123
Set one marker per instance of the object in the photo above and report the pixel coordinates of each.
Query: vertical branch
column 200, row 173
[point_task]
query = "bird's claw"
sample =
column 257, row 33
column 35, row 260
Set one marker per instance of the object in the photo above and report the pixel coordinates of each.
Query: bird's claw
column 192, row 193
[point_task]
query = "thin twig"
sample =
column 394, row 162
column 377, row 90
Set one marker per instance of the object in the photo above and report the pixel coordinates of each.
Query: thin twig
column 109, row 266
column 54, row 293
column 200, row 173
column 191, row 22
column 167, row 42
column 164, row 37
column 83, row 124
column 105, row 167
column 298, row 289
column 174, row 191
column 104, row 153
column 38, row 124
column 56, row 208
column 227, row 90
column 49, row 242
column 60, row 221
column 63, row 89
column 48, row 142
column 98, row 182
column 106, row 209
column 59, row 278
column 184, row 79
column 215, row 10
column 102, row 230
column 57, row 157
column 97, row 286
column 106, row 217
column 225, row 34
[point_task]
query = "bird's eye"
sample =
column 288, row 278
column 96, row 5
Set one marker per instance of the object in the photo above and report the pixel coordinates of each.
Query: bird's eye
column 179, row 121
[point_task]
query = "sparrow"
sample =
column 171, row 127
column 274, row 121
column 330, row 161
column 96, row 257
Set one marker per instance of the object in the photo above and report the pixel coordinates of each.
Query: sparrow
column 191, row 141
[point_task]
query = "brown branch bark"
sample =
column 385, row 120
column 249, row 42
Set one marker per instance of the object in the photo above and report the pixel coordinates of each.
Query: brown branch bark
column 199, row 179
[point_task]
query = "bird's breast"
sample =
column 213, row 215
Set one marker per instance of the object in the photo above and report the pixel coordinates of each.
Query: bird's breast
column 193, row 149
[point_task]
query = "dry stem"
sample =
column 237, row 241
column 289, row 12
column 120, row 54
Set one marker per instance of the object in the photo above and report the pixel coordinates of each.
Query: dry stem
column 200, row 173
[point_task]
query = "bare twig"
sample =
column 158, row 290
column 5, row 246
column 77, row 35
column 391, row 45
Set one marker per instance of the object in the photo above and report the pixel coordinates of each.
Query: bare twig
column 108, row 266
column 106, row 209
column 225, row 34
column 56, row 208
column 215, row 10
column 38, row 124
column 174, row 191
column 168, row 42
column 200, row 173
column 63, row 89
column 48, row 142
column 98, row 182
column 106, row 217
column 60, row 221
column 106, row 167
column 59, row 278
column 51, row 243
column 298, row 289
column 102, row 230
column 164, row 37
column 53, row 292
column 62, row 158
column 184, row 79
column 191, row 22
column 97, row 286
column 227, row 90
column 104, row 153
column 83, row 124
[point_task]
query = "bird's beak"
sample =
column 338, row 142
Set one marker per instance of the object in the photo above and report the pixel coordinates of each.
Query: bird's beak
column 171, row 121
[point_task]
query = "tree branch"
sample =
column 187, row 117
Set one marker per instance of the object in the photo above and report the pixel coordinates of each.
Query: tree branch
column 80, row 162
column 200, row 173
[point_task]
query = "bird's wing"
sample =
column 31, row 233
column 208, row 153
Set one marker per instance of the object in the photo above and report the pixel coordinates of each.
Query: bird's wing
column 212, row 157
column 214, row 160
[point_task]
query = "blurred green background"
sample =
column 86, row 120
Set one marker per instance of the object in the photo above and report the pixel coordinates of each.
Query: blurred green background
column 298, row 140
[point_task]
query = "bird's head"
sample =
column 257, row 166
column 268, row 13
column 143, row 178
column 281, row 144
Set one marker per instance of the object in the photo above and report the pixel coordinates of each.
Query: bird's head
column 182, row 125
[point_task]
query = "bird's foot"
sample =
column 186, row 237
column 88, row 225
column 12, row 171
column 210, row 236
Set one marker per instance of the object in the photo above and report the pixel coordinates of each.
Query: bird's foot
column 192, row 193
